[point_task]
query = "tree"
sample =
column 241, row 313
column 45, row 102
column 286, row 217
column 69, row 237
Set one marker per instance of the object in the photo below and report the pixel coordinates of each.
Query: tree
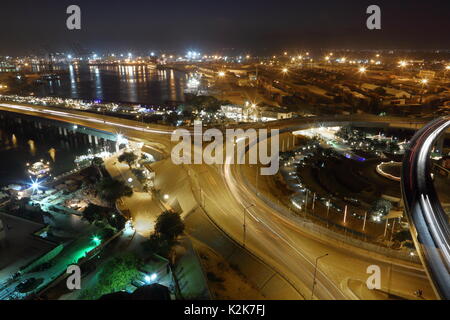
column 117, row 221
column 169, row 225
column 114, row 276
column 110, row 190
column 91, row 213
column 392, row 147
column 403, row 236
column 172, row 118
column 159, row 245
column 140, row 175
column 206, row 103
column 381, row 207
column 98, row 163
column 128, row 157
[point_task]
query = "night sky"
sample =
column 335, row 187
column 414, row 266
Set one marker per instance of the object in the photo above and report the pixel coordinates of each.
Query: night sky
column 265, row 26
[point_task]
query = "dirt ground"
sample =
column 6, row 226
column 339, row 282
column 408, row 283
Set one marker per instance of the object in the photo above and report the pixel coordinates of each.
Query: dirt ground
column 226, row 282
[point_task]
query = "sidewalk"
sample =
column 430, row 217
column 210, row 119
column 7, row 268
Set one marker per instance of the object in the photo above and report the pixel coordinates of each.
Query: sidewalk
column 142, row 206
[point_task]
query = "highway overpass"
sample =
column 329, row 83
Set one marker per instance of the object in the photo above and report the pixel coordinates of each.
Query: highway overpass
column 429, row 222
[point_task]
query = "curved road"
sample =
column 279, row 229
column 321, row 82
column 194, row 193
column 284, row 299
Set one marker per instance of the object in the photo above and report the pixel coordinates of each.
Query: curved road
column 429, row 222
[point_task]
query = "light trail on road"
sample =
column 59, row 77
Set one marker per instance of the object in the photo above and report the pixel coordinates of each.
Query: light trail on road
column 85, row 118
column 429, row 222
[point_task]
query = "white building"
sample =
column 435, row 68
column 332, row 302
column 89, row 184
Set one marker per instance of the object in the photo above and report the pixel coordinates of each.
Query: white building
column 397, row 93
column 232, row 111
column 271, row 115
column 427, row 74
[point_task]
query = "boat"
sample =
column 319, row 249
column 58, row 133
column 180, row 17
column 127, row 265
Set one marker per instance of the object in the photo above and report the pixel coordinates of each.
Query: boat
column 50, row 77
column 39, row 169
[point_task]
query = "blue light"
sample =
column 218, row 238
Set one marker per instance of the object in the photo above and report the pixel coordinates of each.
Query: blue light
column 150, row 278
column 35, row 185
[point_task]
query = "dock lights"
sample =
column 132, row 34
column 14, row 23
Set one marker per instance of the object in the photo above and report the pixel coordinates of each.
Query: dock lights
column 35, row 184
column 150, row 278
column 96, row 240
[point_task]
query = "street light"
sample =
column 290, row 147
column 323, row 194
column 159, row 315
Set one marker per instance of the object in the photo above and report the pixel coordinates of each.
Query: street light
column 424, row 82
column 445, row 72
column 362, row 70
column 221, row 74
column 166, row 197
column 315, row 273
column 403, row 63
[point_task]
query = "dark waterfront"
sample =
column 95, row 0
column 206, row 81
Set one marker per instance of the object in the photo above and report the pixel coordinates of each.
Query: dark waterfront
column 27, row 140
column 134, row 84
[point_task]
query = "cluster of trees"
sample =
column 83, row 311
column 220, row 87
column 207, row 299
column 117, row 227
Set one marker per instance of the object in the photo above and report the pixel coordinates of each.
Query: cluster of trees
column 169, row 226
column 139, row 174
column 205, row 103
column 116, row 274
column 99, row 164
column 110, row 190
column 131, row 158
column 94, row 213
column 404, row 238
column 128, row 157
column 348, row 133
column 357, row 135
column 381, row 208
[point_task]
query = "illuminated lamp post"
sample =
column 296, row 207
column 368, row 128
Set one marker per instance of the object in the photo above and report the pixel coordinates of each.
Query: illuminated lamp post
column 315, row 273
